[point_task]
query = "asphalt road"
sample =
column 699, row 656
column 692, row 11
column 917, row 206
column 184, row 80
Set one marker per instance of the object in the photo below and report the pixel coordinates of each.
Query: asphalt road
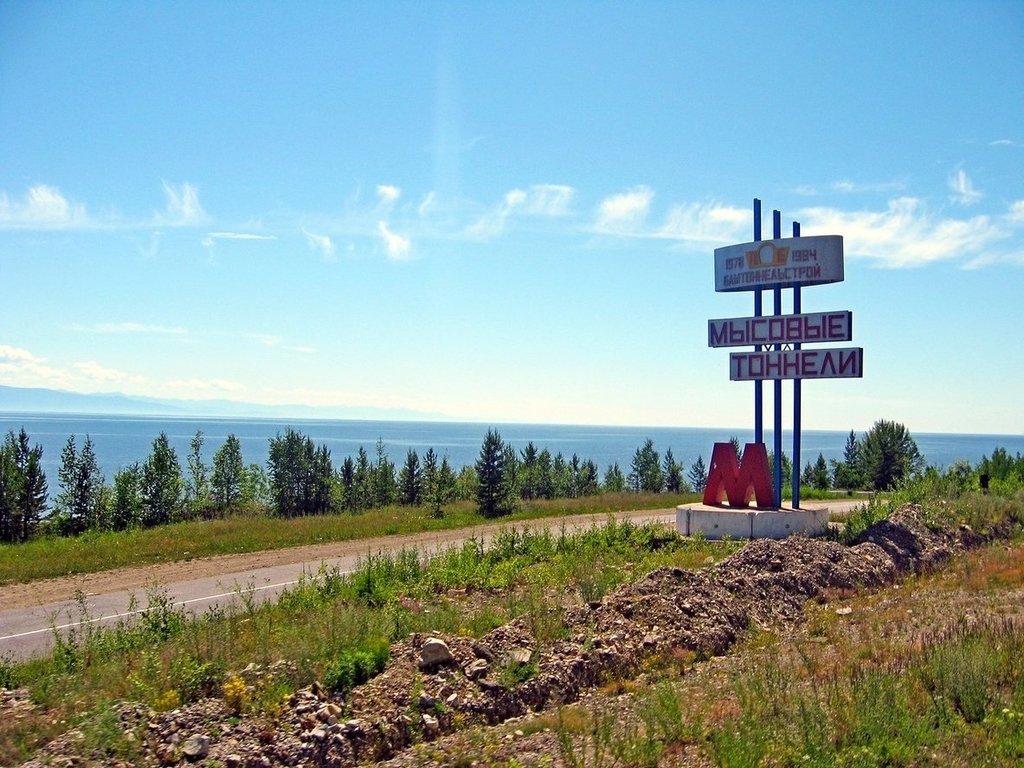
column 29, row 631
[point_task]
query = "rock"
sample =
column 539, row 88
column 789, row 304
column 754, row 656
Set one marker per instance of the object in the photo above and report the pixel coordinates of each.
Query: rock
column 476, row 669
column 844, row 611
column 520, row 655
column 434, row 653
column 196, row 746
column 431, row 727
column 426, row 701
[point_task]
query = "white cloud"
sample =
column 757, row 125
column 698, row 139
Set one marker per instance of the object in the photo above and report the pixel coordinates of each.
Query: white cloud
column 1005, row 143
column 398, row 246
column 545, row 200
column 132, row 327
column 624, row 213
column 427, row 204
column 96, row 372
column 706, row 223
column 850, row 187
column 198, row 388
column 1016, row 214
column 20, row 367
column 43, row 207
column 239, row 236
column 320, row 243
column 905, row 234
column 388, row 193
column 963, row 189
column 183, row 208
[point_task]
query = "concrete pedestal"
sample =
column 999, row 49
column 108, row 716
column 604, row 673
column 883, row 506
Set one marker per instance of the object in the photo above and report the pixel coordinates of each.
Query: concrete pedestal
column 749, row 523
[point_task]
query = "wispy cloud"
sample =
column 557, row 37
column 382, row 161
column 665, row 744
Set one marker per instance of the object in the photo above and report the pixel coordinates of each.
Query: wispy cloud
column 102, row 374
column 625, row 212
column 1006, row 143
column 133, row 327
column 906, row 234
column 388, row 193
column 544, row 200
column 42, row 207
column 962, row 188
column 705, row 223
column 848, row 186
column 183, row 208
column 321, row 243
column 426, row 204
column 239, row 236
column 272, row 341
column 398, row 247
column 201, row 388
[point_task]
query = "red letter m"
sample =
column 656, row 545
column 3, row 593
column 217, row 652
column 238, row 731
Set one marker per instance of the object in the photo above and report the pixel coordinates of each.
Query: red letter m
column 739, row 481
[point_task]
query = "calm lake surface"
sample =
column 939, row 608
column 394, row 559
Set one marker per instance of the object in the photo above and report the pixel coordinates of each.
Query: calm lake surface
column 122, row 440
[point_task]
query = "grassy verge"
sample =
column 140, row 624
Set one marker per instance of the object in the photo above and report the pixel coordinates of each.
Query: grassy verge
column 929, row 672
column 92, row 552
column 329, row 627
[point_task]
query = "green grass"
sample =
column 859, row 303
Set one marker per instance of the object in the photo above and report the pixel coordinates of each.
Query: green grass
column 330, row 626
column 92, row 552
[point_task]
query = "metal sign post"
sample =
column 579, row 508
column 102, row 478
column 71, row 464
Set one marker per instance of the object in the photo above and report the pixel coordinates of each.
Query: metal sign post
column 778, row 339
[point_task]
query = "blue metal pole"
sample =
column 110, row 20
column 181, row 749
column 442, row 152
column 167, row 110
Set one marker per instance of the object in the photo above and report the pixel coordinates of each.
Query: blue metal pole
column 796, row 398
column 776, row 234
column 758, row 309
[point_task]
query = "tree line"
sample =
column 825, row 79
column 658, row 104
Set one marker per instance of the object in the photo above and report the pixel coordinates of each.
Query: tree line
column 299, row 478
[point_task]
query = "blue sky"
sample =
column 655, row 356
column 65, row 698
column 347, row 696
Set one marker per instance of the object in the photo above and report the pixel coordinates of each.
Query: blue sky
column 508, row 211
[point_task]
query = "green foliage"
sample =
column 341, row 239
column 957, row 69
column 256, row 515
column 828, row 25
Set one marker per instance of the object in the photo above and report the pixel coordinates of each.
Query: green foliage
column 354, row 666
column 126, row 501
column 645, row 473
column 410, row 480
column 698, row 475
column 614, row 480
column 300, row 475
column 227, row 480
column 497, row 488
column 887, row 455
column 162, row 484
column 672, row 471
column 79, row 505
column 22, row 488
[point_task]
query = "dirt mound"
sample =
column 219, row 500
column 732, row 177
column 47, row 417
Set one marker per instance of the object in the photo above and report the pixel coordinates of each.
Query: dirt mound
column 434, row 685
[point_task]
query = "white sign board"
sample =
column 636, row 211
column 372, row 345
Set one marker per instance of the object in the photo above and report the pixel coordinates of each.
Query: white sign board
column 781, row 329
column 836, row 363
column 783, row 263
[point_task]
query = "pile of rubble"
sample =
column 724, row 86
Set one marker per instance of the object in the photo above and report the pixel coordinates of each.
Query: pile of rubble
column 434, row 685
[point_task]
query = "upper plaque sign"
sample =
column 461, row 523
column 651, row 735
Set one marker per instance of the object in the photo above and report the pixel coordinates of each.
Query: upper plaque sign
column 783, row 263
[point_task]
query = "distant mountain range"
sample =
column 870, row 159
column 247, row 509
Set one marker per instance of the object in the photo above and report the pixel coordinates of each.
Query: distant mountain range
column 38, row 400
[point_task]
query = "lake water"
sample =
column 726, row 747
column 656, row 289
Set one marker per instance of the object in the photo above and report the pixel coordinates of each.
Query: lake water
column 120, row 441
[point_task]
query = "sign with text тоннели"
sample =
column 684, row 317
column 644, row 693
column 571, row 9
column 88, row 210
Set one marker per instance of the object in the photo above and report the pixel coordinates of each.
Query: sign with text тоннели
column 781, row 263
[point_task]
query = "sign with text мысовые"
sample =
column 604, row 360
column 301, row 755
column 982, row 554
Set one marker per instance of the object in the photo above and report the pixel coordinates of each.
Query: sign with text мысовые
column 835, row 363
column 781, row 329
column 782, row 263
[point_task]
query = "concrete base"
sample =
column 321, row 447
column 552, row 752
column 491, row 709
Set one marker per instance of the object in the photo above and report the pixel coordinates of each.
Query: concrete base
column 750, row 523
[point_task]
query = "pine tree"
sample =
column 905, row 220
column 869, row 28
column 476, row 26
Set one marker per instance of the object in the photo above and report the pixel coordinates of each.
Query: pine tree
column 490, row 472
column 698, row 475
column 410, row 480
column 673, row 472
